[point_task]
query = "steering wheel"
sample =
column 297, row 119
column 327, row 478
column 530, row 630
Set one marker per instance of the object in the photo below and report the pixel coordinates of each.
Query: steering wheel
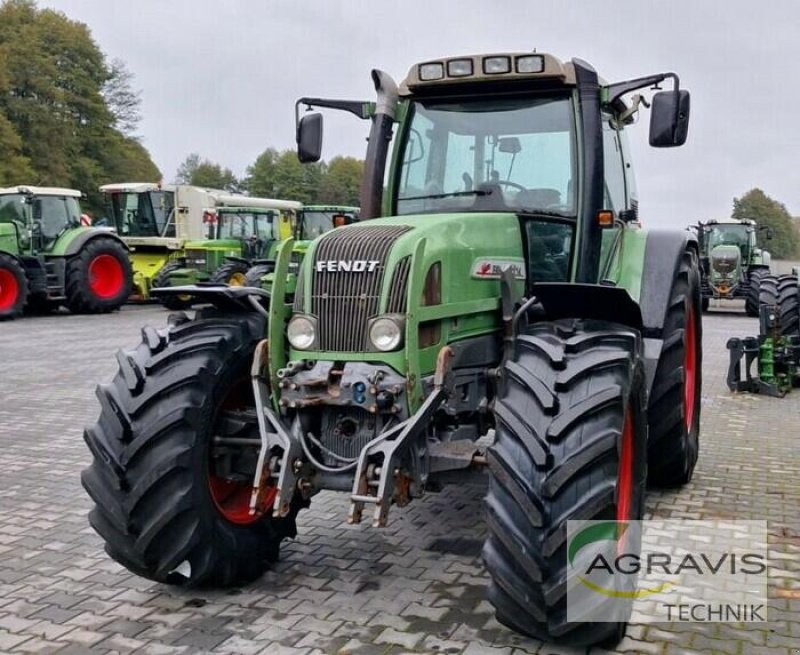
column 513, row 185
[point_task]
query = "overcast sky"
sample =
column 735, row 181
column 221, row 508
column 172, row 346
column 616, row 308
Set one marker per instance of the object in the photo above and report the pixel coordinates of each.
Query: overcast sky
column 221, row 78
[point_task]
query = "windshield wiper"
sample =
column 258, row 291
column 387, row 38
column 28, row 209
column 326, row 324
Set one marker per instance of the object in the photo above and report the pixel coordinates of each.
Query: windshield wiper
column 545, row 212
column 452, row 194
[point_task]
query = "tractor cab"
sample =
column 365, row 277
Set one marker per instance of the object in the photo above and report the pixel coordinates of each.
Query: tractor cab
column 316, row 220
column 41, row 215
column 251, row 231
column 148, row 211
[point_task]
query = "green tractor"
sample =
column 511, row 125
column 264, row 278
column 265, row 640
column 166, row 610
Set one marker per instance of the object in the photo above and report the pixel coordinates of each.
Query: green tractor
column 237, row 237
column 731, row 261
column 312, row 221
column 50, row 257
column 156, row 221
column 507, row 318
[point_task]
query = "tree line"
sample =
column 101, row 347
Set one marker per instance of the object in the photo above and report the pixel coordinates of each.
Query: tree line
column 68, row 116
column 279, row 174
column 757, row 205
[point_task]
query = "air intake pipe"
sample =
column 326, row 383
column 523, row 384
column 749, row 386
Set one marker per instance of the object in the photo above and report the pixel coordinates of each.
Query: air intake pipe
column 380, row 137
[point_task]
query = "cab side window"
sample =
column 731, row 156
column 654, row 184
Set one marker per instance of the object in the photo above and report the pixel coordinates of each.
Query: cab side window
column 615, row 196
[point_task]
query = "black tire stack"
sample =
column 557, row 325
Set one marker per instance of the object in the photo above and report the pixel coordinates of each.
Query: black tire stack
column 781, row 292
column 751, row 301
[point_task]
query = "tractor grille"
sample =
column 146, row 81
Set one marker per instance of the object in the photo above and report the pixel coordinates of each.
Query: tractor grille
column 197, row 259
column 299, row 296
column 342, row 300
column 399, row 288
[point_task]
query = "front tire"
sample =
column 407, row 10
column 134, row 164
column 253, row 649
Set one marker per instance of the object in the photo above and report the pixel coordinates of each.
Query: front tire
column 781, row 292
column 99, row 278
column 165, row 505
column 234, row 274
column 255, row 273
column 674, row 411
column 570, row 444
column 162, row 279
column 13, row 287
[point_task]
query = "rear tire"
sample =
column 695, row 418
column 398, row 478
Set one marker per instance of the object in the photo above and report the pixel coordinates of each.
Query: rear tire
column 13, row 287
column 781, row 291
column 674, row 411
column 99, row 278
column 571, row 410
column 751, row 302
column 255, row 273
column 233, row 274
column 162, row 279
column 154, row 478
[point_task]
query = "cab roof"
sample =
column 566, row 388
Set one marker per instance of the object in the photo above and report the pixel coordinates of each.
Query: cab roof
column 41, row 191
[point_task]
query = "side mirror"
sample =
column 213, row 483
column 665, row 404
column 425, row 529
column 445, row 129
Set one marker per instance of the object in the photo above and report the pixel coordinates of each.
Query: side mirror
column 309, row 138
column 770, row 233
column 669, row 119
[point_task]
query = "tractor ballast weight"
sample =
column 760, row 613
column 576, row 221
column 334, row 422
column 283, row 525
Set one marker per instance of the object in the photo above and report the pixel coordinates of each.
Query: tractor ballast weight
column 493, row 281
column 49, row 257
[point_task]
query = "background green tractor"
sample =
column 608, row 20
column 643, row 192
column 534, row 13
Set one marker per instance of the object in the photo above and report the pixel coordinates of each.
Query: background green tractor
column 312, row 221
column 732, row 262
column 237, row 237
column 508, row 318
column 156, row 221
column 48, row 257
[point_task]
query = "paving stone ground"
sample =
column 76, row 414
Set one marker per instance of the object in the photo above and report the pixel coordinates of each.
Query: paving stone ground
column 417, row 586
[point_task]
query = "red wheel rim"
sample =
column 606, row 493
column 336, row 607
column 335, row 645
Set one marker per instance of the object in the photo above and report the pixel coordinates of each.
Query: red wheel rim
column 9, row 289
column 106, row 276
column 625, row 481
column 232, row 497
column 690, row 368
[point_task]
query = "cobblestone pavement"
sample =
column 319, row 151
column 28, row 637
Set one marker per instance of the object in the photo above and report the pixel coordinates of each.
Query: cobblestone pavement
column 417, row 586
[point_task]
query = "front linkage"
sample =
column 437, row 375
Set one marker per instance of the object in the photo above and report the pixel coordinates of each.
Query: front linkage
column 777, row 356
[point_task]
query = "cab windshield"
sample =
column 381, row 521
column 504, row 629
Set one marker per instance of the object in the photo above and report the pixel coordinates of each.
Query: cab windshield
column 145, row 214
column 728, row 235
column 317, row 222
column 512, row 154
column 241, row 226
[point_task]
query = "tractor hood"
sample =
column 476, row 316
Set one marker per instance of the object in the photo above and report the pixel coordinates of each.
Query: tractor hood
column 725, row 261
column 417, row 267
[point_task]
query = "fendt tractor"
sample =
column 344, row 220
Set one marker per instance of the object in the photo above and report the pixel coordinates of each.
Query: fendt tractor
column 237, row 238
column 732, row 263
column 156, row 221
column 48, row 257
column 507, row 317
column 312, row 221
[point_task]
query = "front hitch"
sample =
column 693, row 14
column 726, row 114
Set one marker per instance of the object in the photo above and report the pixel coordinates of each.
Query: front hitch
column 389, row 468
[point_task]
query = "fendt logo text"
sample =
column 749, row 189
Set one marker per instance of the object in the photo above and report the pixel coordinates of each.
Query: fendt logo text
column 345, row 266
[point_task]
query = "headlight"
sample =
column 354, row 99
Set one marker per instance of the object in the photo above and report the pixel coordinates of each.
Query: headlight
column 386, row 333
column 301, row 332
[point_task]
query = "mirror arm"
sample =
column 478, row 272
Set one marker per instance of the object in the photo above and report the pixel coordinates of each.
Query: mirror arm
column 615, row 91
column 361, row 109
